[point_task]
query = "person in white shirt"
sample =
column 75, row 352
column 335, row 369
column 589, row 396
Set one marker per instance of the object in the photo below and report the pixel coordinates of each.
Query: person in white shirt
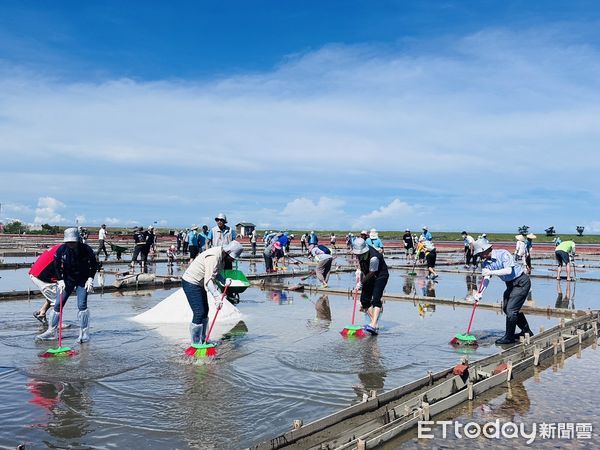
column 323, row 258
column 102, row 235
column 521, row 251
column 469, row 243
column 199, row 278
column 253, row 242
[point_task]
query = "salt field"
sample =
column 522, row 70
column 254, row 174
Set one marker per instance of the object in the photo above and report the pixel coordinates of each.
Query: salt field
column 284, row 360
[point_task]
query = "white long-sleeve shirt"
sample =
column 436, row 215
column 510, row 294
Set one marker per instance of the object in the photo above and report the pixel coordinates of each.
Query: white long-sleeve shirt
column 205, row 267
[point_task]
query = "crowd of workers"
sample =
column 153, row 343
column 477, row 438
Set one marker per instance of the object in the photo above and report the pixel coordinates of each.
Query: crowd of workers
column 70, row 268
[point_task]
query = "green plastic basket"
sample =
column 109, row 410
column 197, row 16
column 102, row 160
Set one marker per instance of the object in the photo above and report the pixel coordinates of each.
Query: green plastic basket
column 235, row 275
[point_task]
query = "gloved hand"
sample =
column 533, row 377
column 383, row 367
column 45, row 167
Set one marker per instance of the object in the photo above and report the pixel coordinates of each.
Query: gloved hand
column 61, row 286
column 486, row 272
column 228, row 282
column 89, row 285
column 358, row 286
column 477, row 296
column 219, row 303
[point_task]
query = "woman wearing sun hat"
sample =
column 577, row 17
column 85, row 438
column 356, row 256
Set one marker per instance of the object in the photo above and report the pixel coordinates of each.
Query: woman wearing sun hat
column 373, row 272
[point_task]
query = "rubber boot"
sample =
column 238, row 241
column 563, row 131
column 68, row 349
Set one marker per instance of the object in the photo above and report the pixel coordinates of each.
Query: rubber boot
column 84, row 325
column 197, row 333
column 50, row 333
column 523, row 325
column 509, row 335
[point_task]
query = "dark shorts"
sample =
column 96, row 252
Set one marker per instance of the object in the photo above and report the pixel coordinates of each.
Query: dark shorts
column 142, row 251
column 562, row 257
column 372, row 292
column 431, row 257
column 193, row 251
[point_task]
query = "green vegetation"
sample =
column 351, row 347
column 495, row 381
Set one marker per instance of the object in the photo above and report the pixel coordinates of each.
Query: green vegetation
column 15, row 227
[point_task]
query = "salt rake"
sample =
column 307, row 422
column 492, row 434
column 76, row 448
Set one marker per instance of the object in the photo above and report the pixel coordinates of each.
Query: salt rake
column 207, row 349
column 467, row 338
column 60, row 350
column 351, row 331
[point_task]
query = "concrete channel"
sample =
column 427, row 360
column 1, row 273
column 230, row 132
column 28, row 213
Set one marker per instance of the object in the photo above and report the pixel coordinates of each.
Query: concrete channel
column 382, row 418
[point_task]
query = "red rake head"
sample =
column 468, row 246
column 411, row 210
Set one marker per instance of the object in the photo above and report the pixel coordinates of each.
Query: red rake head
column 60, row 354
column 353, row 331
column 460, row 343
column 201, row 351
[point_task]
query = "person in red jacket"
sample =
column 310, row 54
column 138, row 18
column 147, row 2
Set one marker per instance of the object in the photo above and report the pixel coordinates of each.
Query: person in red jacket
column 43, row 275
column 76, row 265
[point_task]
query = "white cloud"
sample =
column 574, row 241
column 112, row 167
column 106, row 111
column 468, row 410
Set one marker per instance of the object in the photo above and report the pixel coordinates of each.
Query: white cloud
column 497, row 109
column 393, row 216
column 326, row 212
column 48, row 211
column 112, row 221
column 591, row 227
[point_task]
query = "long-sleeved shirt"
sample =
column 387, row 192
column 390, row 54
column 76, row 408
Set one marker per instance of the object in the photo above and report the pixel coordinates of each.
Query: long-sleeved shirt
column 205, row 269
column 521, row 251
column 319, row 255
column 502, row 259
column 75, row 265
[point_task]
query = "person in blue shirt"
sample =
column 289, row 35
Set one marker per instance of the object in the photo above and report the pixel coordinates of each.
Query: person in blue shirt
column 284, row 240
column 502, row 264
column 374, row 241
column 203, row 237
column 313, row 239
column 426, row 235
column 193, row 246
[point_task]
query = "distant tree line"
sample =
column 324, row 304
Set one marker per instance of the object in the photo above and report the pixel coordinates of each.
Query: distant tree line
column 17, row 227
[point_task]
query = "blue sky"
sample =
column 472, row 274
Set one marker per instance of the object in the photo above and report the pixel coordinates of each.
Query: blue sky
column 479, row 115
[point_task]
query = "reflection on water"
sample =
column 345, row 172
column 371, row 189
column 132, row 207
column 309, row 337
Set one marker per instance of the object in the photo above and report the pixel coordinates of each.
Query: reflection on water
column 427, row 287
column 563, row 301
column 322, row 308
column 409, row 285
column 372, row 377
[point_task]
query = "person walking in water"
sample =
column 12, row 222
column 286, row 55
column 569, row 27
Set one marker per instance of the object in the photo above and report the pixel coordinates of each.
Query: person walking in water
column 43, row 275
column 102, row 235
column 332, row 241
column 75, row 265
column 253, row 242
column 372, row 279
column 199, row 278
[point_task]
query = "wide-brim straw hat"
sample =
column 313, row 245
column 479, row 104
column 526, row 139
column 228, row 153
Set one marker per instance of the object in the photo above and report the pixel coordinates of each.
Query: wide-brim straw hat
column 531, row 236
column 520, row 237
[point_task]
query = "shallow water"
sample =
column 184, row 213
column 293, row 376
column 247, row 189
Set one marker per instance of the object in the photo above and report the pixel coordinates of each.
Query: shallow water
column 286, row 361
column 527, row 402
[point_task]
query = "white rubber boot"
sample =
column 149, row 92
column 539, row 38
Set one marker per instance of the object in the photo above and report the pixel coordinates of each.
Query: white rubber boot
column 50, row 333
column 84, row 324
column 197, row 333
